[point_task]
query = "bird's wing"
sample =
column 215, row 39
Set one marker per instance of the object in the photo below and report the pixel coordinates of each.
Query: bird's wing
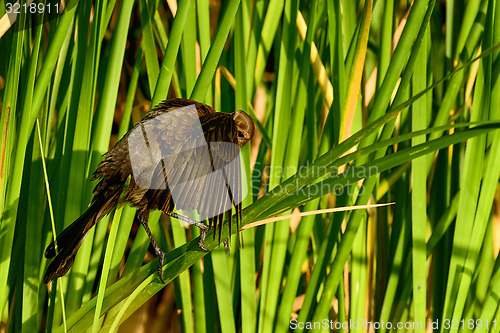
column 158, row 138
column 225, row 152
column 205, row 173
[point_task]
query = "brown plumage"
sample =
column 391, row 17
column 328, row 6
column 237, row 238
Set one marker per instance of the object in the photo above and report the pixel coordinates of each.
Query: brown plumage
column 183, row 154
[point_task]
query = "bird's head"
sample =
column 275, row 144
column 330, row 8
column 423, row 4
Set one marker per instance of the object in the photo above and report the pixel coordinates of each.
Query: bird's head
column 244, row 126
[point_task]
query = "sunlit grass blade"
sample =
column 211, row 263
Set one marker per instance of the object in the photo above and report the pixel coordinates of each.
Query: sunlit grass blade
column 419, row 121
column 10, row 198
column 213, row 56
column 168, row 63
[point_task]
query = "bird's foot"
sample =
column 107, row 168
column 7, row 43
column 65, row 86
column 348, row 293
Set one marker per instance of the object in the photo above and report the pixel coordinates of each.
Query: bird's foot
column 161, row 258
column 203, row 234
column 203, row 227
column 226, row 245
column 201, row 242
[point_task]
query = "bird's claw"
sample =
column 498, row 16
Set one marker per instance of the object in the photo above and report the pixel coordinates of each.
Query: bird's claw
column 226, row 245
column 201, row 242
column 161, row 257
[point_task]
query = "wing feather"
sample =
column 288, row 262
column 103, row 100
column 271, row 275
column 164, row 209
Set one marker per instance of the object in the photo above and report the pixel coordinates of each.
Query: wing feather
column 195, row 165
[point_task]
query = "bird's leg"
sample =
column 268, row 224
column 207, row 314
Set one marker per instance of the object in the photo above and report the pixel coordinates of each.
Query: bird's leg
column 143, row 219
column 203, row 228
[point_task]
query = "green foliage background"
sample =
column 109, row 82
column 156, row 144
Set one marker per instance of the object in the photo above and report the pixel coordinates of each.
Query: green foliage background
column 411, row 91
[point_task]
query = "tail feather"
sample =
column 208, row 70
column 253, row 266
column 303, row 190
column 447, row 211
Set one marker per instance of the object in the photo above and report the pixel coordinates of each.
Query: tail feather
column 62, row 262
column 69, row 241
column 67, row 237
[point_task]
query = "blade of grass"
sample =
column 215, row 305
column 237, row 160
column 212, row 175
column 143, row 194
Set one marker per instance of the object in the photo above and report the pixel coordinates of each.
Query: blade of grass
column 170, row 56
column 356, row 72
column 277, row 235
column 185, row 305
column 10, row 200
column 209, row 66
column 152, row 66
column 188, row 50
column 247, row 281
column 419, row 194
column 223, row 290
column 32, row 242
column 268, row 33
column 104, row 277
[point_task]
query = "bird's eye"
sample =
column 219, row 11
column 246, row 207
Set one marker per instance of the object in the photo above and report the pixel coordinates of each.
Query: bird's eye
column 240, row 135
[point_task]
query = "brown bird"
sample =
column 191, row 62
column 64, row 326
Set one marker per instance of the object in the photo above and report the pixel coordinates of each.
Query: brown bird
column 183, row 154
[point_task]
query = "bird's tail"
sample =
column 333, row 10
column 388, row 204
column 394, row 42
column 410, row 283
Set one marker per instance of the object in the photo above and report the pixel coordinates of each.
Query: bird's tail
column 70, row 240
